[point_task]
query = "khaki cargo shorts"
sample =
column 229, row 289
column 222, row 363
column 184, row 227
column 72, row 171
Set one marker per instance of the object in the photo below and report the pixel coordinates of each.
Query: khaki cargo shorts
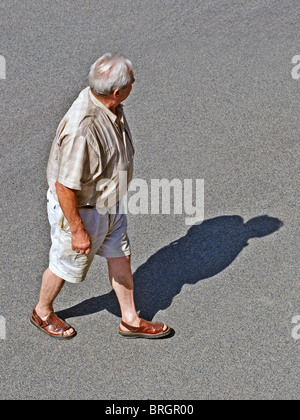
column 108, row 234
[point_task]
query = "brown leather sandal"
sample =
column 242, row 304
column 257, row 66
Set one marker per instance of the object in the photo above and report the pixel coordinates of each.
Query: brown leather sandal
column 146, row 329
column 53, row 325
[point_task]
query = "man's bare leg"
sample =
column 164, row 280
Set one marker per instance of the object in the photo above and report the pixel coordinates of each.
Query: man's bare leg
column 51, row 287
column 120, row 276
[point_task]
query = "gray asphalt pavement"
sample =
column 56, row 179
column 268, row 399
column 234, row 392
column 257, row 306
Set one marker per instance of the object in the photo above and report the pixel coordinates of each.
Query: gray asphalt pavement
column 214, row 99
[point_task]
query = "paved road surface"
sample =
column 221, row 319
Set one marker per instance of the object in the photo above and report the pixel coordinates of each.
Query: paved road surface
column 214, row 99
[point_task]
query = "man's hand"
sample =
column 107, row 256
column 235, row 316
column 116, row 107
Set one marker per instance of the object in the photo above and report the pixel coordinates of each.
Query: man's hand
column 81, row 242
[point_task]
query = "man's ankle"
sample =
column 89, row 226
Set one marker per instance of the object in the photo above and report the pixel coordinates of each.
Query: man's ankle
column 131, row 320
column 43, row 311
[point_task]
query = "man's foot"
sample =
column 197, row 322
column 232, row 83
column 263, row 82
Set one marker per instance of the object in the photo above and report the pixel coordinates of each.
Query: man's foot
column 145, row 329
column 52, row 325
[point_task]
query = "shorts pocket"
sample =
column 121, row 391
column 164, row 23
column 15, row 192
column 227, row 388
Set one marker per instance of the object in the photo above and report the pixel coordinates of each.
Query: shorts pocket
column 63, row 223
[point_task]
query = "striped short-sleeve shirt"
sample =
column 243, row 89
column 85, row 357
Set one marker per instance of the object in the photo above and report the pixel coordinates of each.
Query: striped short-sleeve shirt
column 91, row 153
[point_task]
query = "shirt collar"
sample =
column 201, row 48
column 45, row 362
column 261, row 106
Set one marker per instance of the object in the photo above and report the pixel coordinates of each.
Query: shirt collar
column 98, row 103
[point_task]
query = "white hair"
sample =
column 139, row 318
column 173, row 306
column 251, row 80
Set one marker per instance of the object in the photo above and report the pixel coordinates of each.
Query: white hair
column 110, row 72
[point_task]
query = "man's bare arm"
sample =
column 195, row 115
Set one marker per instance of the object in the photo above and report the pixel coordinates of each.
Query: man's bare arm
column 81, row 241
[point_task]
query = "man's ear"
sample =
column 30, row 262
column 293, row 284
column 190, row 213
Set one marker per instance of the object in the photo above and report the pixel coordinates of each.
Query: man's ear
column 117, row 92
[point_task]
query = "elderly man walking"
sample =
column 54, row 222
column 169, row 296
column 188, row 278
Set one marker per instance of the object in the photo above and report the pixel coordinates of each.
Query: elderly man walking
column 93, row 144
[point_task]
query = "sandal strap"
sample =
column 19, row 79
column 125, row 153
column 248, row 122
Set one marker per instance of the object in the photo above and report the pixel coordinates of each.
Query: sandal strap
column 41, row 323
column 146, row 327
column 53, row 324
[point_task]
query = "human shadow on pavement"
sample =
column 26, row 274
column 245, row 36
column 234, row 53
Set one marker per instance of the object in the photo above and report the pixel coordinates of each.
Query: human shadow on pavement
column 206, row 250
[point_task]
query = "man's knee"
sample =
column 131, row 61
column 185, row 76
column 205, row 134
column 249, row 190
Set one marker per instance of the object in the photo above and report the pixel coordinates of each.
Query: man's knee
column 121, row 260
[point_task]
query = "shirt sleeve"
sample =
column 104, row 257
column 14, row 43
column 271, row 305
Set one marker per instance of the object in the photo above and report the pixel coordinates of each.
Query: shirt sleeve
column 73, row 162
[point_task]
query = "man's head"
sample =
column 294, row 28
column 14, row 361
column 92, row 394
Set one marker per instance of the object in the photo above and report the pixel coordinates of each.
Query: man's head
column 111, row 74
